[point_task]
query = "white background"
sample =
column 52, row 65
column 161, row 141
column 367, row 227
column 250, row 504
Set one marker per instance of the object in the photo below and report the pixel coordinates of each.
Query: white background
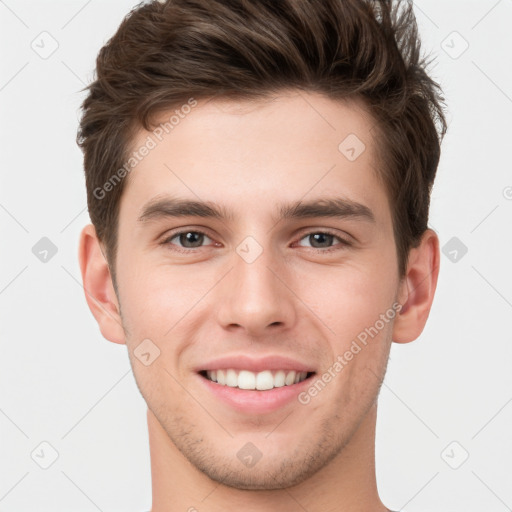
column 62, row 383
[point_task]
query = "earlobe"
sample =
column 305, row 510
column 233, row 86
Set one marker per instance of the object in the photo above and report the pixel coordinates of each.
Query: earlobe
column 418, row 289
column 98, row 287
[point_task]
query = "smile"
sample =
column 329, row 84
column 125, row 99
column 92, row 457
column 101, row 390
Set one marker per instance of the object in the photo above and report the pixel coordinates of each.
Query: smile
column 261, row 381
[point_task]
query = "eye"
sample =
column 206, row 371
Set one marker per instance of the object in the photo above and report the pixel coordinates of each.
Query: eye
column 187, row 239
column 323, row 240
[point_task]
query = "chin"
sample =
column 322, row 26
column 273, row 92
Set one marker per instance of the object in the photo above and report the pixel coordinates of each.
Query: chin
column 263, row 478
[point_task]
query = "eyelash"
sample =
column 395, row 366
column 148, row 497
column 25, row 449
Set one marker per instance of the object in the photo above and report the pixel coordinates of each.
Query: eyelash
column 343, row 243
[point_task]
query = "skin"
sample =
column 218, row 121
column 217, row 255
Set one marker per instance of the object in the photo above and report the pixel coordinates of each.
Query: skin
column 295, row 299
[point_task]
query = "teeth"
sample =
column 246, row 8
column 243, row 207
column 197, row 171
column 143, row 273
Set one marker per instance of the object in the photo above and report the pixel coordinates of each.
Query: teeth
column 290, row 378
column 246, row 380
column 261, row 381
column 231, row 378
column 264, row 380
column 279, row 378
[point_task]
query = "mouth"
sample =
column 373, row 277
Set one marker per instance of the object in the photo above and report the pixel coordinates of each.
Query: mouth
column 255, row 385
column 255, row 381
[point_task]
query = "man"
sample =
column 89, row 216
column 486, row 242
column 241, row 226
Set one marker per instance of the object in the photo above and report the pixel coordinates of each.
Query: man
column 258, row 178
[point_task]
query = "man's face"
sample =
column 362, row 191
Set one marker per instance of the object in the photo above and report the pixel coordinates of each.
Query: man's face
column 254, row 285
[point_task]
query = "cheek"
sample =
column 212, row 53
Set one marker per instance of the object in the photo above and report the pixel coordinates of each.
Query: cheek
column 155, row 298
column 348, row 299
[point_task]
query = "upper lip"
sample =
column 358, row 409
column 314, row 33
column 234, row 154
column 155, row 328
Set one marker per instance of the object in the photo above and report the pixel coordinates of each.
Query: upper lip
column 244, row 362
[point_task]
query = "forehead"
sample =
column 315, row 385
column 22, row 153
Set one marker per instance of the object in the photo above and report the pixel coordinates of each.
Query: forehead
column 279, row 149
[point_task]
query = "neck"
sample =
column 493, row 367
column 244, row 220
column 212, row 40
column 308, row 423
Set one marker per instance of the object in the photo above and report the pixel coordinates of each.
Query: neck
column 347, row 483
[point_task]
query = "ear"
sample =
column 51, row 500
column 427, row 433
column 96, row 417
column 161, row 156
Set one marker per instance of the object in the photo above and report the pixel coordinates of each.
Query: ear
column 98, row 287
column 417, row 289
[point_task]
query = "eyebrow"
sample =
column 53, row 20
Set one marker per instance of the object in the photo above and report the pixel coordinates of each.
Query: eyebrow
column 321, row 207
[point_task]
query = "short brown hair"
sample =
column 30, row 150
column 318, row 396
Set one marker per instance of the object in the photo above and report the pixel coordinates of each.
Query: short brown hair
column 165, row 52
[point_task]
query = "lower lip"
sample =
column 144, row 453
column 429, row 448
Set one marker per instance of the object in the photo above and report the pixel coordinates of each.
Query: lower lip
column 255, row 401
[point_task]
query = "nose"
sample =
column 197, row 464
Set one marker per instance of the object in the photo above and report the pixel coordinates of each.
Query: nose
column 255, row 297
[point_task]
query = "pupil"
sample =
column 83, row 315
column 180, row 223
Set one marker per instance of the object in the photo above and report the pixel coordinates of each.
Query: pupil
column 324, row 236
column 195, row 238
column 189, row 238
